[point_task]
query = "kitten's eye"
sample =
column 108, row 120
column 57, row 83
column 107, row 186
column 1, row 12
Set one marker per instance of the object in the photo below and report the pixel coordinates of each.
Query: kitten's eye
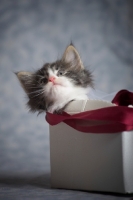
column 60, row 73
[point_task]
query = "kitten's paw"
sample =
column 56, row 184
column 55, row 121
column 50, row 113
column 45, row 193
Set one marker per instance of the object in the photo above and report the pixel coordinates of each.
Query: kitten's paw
column 59, row 112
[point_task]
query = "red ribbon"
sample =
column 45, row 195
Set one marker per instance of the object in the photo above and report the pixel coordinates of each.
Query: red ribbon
column 104, row 120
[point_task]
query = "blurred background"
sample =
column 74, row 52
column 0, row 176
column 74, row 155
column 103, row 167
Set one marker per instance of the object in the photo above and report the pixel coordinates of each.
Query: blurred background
column 34, row 32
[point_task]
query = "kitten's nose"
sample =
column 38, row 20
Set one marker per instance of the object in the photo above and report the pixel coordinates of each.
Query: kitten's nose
column 51, row 79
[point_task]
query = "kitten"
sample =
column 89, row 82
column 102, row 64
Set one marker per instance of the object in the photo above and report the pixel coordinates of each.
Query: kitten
column 56, row 84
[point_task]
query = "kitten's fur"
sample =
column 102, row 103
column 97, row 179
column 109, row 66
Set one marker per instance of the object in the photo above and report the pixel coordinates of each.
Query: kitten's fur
column 56, row 84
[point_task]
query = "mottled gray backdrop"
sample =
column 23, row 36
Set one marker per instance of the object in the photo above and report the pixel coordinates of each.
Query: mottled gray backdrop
column 36, row 31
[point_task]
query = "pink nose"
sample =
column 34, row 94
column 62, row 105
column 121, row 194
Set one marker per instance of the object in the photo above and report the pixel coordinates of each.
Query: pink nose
column 52, row 78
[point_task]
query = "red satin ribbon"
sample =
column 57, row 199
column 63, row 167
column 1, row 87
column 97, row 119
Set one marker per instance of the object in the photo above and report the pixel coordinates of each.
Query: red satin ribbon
column 104, row 120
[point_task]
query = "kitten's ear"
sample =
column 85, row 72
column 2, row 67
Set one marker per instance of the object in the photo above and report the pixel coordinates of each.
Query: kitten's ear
column 25, row 79
column 72, row 56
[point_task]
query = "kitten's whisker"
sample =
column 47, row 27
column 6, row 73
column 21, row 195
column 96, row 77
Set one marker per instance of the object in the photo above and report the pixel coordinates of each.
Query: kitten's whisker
column 35, row 87
column 37, row 75
column 37, row 91
column 30, row 84
column 38, row 94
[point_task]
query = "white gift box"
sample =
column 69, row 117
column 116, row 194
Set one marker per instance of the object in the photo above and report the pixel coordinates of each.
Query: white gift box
column 88, row 161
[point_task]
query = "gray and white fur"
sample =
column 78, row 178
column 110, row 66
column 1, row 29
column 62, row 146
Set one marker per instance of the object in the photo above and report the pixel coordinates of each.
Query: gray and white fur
column 56, row 84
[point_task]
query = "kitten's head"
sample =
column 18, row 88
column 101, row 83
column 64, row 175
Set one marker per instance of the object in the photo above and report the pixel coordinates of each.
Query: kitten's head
column 54, row 80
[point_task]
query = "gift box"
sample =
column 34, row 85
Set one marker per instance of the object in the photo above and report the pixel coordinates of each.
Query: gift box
column 92, row 161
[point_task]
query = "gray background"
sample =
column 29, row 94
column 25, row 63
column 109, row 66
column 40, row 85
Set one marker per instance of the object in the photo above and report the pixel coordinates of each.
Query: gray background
column 32, row 33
